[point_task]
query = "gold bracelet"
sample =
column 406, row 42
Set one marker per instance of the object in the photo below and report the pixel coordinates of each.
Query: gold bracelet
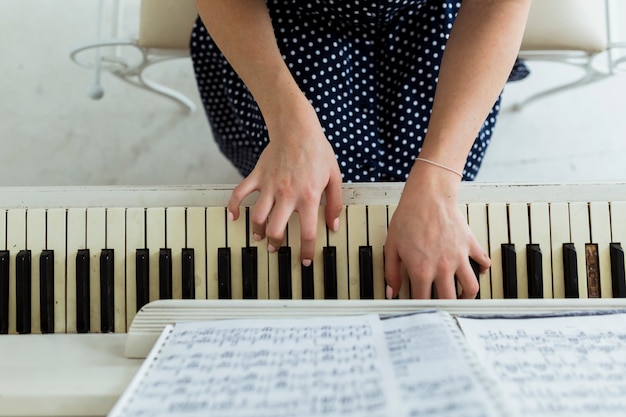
column 440, row 166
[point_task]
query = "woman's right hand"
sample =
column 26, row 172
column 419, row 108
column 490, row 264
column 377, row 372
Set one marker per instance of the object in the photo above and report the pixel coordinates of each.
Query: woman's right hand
column 294, row 170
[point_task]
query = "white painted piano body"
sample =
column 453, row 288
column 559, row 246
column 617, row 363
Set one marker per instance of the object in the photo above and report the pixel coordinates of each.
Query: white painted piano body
column 83, row 374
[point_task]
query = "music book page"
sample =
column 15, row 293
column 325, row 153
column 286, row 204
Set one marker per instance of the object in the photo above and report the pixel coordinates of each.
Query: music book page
column 556, row 366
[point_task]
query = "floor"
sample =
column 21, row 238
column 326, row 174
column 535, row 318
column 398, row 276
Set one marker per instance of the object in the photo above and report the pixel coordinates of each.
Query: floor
column 54, row 134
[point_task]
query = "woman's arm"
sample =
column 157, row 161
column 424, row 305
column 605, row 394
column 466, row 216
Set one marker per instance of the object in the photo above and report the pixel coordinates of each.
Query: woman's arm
column 299, row 164
column 427, row 232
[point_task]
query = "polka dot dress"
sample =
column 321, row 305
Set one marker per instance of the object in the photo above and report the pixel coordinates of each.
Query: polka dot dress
column 368, row 68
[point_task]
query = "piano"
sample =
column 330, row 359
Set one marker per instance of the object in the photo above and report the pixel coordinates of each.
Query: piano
column 77, row 265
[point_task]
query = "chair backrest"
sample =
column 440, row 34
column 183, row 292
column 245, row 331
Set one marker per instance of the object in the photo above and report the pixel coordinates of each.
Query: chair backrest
column 579, row 25
column 166, row 24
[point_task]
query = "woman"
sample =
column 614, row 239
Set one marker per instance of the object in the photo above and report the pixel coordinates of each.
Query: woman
column 303, row 95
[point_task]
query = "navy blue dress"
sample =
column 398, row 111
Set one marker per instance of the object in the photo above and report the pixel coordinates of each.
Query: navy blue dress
column 369, row 68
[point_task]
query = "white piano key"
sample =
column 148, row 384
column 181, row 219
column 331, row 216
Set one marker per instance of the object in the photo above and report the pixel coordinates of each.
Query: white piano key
column 56, row 240
column 36, row 243
column 76, row 239
column 405, row 289
column 540, row 234
column 175, row 240
column 339, row 240
column 618, row 222
column 498, row 234
column 263, row 283
column 96, row 241
column 520, row 237
column 237, row 239
column 16, row 241
column 215, row 238
column 463, row 210
column 155, row 241
column 292, row 239
column 135, row 239
column 357, row 236
column 560, row 234
column 477, row 219
column 377, row 232
column 579, row 231
column 601, row 235
column 196, row 239
column 115, row 239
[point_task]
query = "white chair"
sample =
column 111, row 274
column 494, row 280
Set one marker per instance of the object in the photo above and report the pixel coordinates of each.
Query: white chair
column 164, row 31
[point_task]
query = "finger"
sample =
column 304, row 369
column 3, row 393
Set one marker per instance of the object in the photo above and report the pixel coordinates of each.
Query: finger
column 259, row 214
column 393, row 272
column 308, row 234
column 467, row 279
column 241, row 191
column 276, row 225
column 478, row 254
column 334, row 202
column 445, row 288
column 421, row 279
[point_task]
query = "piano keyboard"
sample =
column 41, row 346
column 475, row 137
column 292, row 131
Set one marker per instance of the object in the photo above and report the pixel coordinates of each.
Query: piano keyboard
column 87, row 259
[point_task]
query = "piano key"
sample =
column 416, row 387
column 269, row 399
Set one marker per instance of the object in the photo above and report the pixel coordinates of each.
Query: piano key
column 540, row 235
column 36, row 243
column 579, row 229
column 617, row 270
column 463, row 210
column 318, row 260
column 56, row 222
column 224, row 277
column 498, row 234
column 519, row 235
column 155, row 241
column 250, row 274
column 237, row 235
column 165, row 274
column 308, row 281
column 216, row 218
column 330, row 272
column 339, row 240
column 405, row 289
column 292, row 240
column 23, row 292
column 593, row 271
column 284, row 273
column 559, row 235
column 115, row 241
column 618, row 221
column 107, row 291
column 377, row 233
column 262, row 259
column 196, row 239
column 600, row 221
column 509, row 270
column 95, row 240
column 5, row 259
column 366, row 273
column 175, row 234
column 15, row 240
column 46, row 291
column 142, row 278
column 570, row 271
column 137, row 263
column 82, row 284
column 357, row 237
column 534, row 268
column 477, row 219
column 188, row 276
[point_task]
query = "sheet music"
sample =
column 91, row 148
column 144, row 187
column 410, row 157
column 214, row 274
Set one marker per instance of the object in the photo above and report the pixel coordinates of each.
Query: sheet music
column 335, row 366
column 436, row 376
column 559, row 366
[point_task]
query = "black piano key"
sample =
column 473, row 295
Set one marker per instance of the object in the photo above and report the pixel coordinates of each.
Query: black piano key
column 142, row 278
column 534, row 266
column 165, row 274
column 23, row 291
column 366, row 272
column 330, row 272
column 509, row 270
column 83, row 315
column 593, row 270
column 188, row 274
column 570, row 270
column 107, row 291
column 284, row 273
column 476, row 268
column 223, row 273
column 4, row 291
column 308, row 284
column 617, row 271
column 46, row 291
column 250, row 275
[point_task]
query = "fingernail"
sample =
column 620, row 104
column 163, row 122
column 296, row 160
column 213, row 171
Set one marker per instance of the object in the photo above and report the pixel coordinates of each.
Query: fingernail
column 256, row 236
column 271, row 248
column 231, row 216
column 389, row 292
column 306, row 262
column 336, row 224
